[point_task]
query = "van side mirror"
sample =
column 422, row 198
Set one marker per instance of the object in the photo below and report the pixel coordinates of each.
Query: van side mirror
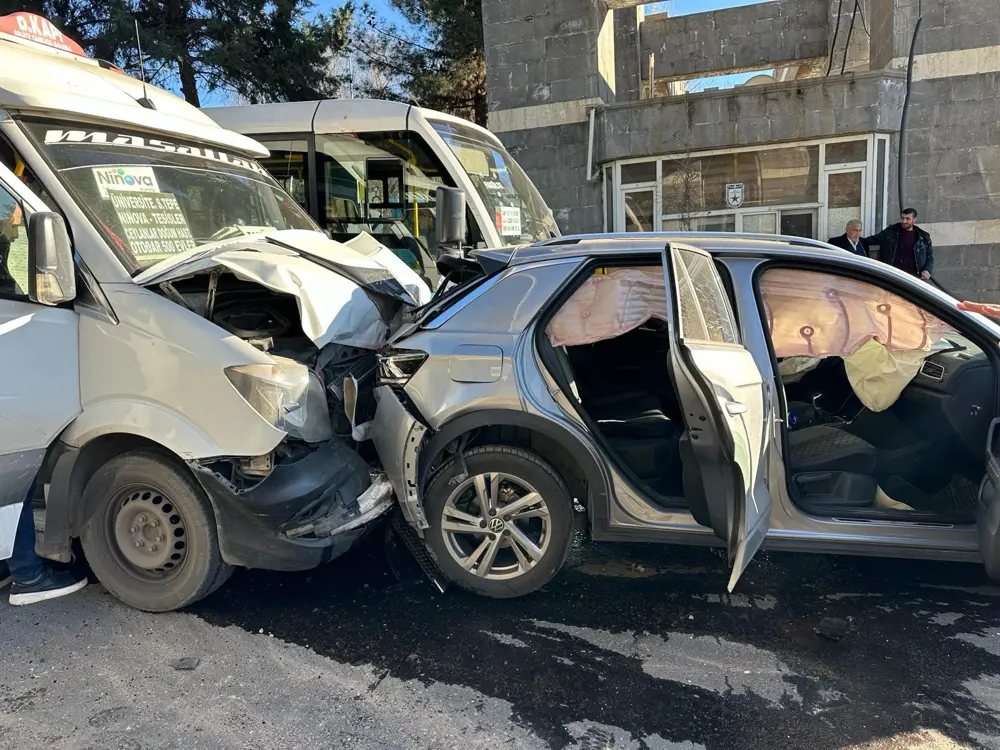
column 449, row 206
column 51, row 273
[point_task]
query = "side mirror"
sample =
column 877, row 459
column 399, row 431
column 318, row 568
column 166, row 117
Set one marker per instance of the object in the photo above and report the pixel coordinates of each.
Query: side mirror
column 450, row 215
column 51, row 273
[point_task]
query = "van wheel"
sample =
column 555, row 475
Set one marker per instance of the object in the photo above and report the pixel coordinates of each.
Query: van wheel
column 150, row 534
column 502, row 529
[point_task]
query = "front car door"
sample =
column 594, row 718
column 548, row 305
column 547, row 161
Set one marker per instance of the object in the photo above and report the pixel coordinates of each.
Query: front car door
column 725, row 407
column 988, row 511
column 39, row 349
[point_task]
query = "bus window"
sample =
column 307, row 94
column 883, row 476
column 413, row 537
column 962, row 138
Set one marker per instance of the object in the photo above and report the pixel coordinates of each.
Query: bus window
column 359, row 183
column 289, row 165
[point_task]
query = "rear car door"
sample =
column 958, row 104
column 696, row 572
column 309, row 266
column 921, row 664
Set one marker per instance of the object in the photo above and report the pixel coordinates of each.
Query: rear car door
column 39, row 382
column 725, row 407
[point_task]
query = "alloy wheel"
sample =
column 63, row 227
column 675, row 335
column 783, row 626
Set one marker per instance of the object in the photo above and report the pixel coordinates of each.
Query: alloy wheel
column 496, row 526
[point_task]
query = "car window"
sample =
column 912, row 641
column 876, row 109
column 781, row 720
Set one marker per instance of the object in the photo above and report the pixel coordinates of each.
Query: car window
column 13, row 247
column 704, row 306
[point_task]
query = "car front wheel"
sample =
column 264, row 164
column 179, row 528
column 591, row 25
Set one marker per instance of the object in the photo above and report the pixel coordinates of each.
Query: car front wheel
column 500, row 521
column 150, row 535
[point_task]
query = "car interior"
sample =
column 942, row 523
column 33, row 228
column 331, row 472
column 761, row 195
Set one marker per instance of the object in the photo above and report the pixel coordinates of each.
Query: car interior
column 618, row 374
column 872, row 436
column 623, row 386
column 897, row 436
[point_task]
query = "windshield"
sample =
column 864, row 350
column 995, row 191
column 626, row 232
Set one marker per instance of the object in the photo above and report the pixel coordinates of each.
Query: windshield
column 152, row 198
column 520, row 212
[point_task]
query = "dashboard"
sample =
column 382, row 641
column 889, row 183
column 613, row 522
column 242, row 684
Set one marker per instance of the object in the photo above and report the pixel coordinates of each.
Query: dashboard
column 955, row 388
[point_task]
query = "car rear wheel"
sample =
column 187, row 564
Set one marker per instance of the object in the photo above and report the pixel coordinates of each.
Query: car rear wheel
column 501, row 524
column 150, row 534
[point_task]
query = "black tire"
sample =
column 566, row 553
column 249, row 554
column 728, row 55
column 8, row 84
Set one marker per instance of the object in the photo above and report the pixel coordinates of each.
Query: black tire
column 152, row 477
column 518, row 463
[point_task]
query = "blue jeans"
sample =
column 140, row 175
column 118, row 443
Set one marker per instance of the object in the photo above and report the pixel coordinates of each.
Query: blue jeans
column 24, row 564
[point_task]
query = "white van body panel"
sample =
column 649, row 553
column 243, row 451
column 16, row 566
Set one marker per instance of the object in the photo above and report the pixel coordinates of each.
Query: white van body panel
column 160, row 374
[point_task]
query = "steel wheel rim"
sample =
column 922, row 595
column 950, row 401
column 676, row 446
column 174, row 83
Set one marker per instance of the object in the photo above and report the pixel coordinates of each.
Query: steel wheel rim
column 146, row 533
column 496, row 526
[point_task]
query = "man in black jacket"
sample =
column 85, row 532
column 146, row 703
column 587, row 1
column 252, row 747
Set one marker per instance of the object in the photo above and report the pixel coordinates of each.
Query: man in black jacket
column 906, row 246
column 851, row 240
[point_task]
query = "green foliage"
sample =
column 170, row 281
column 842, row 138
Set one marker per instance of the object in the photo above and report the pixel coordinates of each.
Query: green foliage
column 259, row 50
column 437, row 59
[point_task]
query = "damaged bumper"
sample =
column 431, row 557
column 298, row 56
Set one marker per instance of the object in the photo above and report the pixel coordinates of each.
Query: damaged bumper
column 301, row 515
column 398, row 438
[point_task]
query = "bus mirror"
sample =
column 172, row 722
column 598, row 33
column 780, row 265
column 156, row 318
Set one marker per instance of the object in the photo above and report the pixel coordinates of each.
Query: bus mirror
column 450, row 218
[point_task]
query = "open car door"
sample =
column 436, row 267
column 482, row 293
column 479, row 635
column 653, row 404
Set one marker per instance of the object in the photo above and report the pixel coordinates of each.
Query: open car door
column 988, row 511
column 725, row 407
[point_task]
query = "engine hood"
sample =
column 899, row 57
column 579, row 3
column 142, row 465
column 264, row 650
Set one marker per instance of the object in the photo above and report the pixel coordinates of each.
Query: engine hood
column 338, row 286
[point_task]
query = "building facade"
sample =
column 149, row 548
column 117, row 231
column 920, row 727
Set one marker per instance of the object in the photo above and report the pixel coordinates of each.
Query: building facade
column 594, row 99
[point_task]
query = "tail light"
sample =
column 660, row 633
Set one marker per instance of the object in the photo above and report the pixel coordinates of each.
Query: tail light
column 395, row 367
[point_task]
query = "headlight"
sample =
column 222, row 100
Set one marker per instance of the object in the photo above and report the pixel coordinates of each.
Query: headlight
column 397, row 366
column 288, row 395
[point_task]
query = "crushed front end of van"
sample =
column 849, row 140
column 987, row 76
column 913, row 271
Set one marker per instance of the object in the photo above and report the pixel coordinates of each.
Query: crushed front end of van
column 319, row 310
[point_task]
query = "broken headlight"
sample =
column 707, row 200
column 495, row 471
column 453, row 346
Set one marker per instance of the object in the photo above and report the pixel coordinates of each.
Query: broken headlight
column 288, row 395
column 397, row 366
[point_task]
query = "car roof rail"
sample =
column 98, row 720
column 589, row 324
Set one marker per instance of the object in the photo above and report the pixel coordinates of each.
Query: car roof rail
column 787, row 239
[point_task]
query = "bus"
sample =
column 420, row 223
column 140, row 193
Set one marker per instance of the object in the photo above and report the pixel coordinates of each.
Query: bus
column 361, row 165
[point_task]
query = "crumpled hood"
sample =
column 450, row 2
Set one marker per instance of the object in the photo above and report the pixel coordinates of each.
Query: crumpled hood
column 334, row 282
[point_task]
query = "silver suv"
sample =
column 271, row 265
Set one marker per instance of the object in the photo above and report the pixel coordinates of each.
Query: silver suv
column 731, row 390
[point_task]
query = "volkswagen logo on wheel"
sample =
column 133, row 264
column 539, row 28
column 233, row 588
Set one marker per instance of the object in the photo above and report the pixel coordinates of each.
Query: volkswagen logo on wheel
column 496, row 525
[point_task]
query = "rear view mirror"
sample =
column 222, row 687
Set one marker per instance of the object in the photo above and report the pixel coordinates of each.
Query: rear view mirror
column 51, row 274
column 450, row 216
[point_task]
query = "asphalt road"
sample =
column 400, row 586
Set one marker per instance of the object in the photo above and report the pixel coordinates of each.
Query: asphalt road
column 632, row 647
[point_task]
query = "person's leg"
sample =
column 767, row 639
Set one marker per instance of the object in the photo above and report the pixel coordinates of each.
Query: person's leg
column 25, row 566
column 33, row 580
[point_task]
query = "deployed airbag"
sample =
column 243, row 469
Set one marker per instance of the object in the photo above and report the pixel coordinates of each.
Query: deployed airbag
column 609, row 304
column 882, row 337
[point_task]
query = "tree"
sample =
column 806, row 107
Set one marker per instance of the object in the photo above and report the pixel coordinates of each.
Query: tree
column 437, row 59
column 259, row 50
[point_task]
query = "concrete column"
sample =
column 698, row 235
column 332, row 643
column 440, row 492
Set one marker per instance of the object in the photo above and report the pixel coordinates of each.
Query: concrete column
column 855, row 42
column 547, row 65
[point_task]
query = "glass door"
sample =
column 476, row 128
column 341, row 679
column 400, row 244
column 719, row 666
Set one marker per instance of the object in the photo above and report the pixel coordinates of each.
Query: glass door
column 845, row 191
column 640, row 207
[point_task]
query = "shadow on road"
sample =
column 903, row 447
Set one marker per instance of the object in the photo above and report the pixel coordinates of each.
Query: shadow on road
column 645, row 639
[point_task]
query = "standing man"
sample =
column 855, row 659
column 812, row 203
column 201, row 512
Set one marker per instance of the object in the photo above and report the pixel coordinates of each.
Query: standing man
column 851, row 240
column 906, row 246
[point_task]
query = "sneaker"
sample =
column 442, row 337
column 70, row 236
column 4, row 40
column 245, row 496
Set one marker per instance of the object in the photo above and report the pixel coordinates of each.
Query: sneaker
column 5, row 577
column 52, row 585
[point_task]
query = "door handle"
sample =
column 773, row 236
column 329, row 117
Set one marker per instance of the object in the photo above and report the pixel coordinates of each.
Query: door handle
column 736, row 407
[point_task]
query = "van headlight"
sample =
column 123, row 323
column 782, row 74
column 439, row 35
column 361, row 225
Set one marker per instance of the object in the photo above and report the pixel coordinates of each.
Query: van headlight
column 288, row 395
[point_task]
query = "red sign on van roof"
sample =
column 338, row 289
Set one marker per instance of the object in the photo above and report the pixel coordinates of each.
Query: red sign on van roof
column 34, row 28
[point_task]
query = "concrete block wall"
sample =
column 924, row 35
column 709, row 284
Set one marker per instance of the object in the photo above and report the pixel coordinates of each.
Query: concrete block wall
column 774, row 113
column 735, row 39
column 847, row 38
column 953, row 138
column 542, row 53
column 548, row 64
